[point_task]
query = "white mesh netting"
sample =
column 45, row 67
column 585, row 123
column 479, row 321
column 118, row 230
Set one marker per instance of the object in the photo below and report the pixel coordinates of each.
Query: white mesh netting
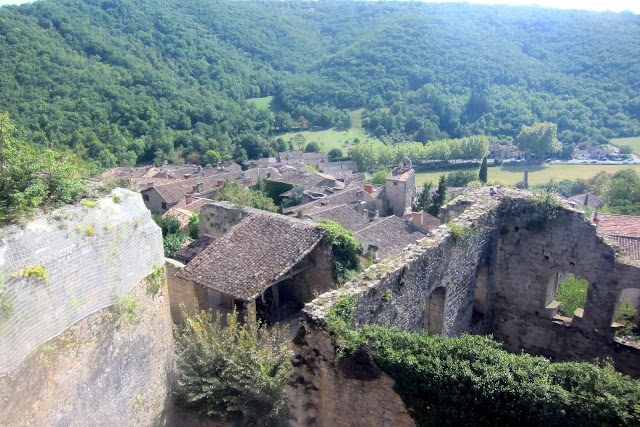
column 69, row 264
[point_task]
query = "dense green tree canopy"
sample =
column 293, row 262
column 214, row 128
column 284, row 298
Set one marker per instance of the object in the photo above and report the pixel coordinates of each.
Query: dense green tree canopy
column 539, row 139
column 124, row 82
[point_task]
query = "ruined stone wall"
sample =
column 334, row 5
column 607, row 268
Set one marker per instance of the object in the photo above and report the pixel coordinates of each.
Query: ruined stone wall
column 529, row 260
column 395, row 292
column 497, row 278
column 217, row 218
column 110, row 366
column 305, row 286
column 324, row 395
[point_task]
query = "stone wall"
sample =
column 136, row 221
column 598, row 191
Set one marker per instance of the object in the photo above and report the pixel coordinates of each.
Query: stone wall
column 324, row 395
column 495, row 275
column 529, row 260
column 396, row 291
column 217, row 218
column 104, row 370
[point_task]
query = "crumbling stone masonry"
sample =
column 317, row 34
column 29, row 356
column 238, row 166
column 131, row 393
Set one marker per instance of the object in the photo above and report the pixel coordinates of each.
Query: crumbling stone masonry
column 496, row 274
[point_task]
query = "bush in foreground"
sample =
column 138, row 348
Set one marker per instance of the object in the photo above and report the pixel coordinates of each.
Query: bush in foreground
column 234, row 370
column 470, row 380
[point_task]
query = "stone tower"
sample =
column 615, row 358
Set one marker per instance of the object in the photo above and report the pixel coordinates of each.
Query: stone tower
column 400, row 188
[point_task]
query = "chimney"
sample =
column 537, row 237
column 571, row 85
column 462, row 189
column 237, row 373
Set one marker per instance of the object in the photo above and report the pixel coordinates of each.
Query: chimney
column 200, row 187
column 188, row 198
column 366, row 214
column 221, row 183
column 194, row 189
column 368, row 188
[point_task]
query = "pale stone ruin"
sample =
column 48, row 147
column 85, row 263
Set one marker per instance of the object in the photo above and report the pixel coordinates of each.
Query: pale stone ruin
column 501, row 280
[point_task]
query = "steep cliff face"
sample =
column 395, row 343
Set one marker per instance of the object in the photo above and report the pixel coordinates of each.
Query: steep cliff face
column 87, row 340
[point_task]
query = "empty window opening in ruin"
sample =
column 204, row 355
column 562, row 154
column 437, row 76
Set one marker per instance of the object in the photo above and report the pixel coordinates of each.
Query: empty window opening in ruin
column 567, row 294
column 480, row 294
column 626, row 320
column 433, row 317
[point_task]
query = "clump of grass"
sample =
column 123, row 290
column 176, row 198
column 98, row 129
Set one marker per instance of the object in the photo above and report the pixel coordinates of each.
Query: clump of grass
column 88, row 203
column 128, row 308
column 460, row 232
column 116, row 199
column 30, row 272
column 572, row 294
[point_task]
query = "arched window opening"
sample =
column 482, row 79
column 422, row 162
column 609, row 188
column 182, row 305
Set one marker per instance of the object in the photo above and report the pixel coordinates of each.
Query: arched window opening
column 433, row 319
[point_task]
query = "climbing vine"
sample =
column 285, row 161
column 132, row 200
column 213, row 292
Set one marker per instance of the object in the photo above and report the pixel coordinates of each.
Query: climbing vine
column 346, row 249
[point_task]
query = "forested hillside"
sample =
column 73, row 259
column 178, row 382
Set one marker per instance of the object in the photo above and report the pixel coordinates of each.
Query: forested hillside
column 124, row 82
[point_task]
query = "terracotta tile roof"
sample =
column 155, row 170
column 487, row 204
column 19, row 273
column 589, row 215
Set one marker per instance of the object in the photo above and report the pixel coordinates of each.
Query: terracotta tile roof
column 618, row 225
column 304, row 180
column 390, row 234
column 630, row 246
column 423, row 219
column 189, row 252
column 343, row 215
column 173, row 192
column 252, row 255
column 182, row 212
column 349, row 196
column 290, row 155
column 587, row 199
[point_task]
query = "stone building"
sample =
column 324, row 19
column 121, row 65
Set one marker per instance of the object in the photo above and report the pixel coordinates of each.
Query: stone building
column 267, row 264
column 400, row 188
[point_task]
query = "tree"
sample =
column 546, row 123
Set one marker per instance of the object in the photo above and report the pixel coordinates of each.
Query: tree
column 438, row 197
column 228, row 369
column 483, row 171
column 539, row 139
column 334, row 154
column 380, row 177
column 424, row 199
column 299, row 141
column 626, row 149
column 212, row 158
column 312, row 147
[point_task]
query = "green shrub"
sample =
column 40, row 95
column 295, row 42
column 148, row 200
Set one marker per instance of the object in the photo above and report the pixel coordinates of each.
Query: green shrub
column 460, row 232
column 572, row 294
column 194, row 224
column 460, row 178
column 172, row 243
column 155, row 280
column 38, row 273
column 127, row 308
column 116, row 199
column 168, row 223
column 380, row 177
column 346, row 249
column 470, row 381
column 234, row 370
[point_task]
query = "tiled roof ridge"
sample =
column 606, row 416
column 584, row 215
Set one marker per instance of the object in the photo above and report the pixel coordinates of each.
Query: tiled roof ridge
column 374, row 223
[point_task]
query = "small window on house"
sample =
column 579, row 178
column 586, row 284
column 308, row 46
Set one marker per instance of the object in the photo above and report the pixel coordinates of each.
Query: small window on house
column 164, row 206
column 395, row 182
column 145, row 197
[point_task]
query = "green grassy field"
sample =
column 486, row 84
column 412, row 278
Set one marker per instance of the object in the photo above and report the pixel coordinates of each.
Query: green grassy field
column 265, row 103
column 537, row 174
column 633, row 141
column 332, row 138
column 327, row 138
